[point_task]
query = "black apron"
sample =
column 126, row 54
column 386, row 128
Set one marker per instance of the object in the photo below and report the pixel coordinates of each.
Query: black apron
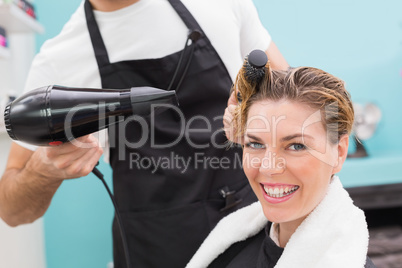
column 170, row 198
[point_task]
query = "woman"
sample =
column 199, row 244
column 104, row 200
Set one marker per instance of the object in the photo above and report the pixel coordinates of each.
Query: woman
column 295, row 128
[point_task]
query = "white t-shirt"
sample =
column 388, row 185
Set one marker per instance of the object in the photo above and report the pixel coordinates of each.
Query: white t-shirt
column 145, row 30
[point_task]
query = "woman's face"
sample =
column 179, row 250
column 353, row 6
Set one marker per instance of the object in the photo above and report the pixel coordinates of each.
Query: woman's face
column 287, row 158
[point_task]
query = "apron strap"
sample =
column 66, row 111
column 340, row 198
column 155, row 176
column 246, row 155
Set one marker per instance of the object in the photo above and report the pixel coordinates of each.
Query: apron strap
column 185, row 15
column 101, row 55
column 100, row 50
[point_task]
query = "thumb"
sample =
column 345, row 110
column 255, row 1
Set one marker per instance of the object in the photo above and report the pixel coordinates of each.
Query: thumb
column 232, row 99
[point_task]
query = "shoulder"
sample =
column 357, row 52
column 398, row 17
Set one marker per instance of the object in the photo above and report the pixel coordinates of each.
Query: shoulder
column 237, row 226
column 71, row 32
column 238, row 7
column 60, row 56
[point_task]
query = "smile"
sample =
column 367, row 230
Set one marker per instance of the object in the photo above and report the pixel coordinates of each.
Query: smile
column 280, row 191
column 277, row 193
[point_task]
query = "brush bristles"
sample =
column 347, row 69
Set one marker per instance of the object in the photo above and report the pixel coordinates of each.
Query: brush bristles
column 253, row 75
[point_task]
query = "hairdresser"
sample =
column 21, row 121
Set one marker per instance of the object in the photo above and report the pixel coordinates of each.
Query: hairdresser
column 194, row 47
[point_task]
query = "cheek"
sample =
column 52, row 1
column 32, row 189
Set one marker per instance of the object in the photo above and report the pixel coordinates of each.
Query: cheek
column 315, row 181
column 299, row 166
column 308, row 166
column 251, row 165
column 313, row 175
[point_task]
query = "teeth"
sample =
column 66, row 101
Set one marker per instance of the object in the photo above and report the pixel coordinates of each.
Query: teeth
column 280, row 192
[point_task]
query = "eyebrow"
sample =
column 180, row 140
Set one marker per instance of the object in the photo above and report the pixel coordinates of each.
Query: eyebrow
column 297, row 135
column 253, row 137
column 286, row 138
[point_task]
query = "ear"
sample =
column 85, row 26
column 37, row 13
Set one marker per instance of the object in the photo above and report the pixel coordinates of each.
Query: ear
column 343, row 145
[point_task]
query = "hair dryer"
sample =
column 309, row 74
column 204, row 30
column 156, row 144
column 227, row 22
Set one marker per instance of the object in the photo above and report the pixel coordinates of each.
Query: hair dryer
column 54, row 114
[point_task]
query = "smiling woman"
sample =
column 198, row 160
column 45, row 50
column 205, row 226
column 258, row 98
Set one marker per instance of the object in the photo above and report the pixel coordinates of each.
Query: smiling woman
column 289, row 192
column 295, row 126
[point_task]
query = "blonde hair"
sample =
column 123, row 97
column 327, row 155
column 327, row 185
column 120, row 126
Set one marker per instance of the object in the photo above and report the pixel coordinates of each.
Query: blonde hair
column 307, row 85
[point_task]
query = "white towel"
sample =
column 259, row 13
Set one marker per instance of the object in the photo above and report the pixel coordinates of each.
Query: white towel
column 335, row 234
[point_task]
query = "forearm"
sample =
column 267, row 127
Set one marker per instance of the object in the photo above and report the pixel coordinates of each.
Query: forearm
column 25, row 195
column 277, row 61
column 32, row 178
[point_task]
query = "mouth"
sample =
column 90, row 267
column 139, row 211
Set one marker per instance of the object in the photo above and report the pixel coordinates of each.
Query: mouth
column 277, row 193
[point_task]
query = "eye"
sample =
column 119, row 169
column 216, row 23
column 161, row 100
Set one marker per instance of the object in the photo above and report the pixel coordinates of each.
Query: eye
column 297, row 147
column 239, row 98
column 255, row 145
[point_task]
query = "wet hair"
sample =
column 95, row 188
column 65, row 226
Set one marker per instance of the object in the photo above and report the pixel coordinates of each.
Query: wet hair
column 311, row 86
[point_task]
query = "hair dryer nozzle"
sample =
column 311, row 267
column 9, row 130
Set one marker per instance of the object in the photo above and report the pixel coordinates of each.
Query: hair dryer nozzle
column 144, row 98
column 54, row 114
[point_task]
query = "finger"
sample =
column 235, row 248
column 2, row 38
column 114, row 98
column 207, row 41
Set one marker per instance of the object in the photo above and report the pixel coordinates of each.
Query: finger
column 228, row 117
column 85, row 164
column 232, row 99
column 89, row 141
column 232, row 108
column 62, row 159
column 67, row 148
column 227, row 121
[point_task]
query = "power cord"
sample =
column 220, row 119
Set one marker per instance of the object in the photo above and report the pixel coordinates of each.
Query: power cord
column 118, row 217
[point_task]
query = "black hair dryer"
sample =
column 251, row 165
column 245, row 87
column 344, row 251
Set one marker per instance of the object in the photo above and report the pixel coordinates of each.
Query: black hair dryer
column 54, row 114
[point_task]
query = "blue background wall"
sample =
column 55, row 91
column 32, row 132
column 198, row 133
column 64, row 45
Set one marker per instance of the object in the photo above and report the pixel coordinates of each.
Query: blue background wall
column 359, row 41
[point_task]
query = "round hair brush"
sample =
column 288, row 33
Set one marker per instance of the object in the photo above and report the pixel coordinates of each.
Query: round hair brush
column 254, row 66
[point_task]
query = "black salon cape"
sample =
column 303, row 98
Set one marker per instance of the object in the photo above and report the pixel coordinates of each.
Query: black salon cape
column 259, row 251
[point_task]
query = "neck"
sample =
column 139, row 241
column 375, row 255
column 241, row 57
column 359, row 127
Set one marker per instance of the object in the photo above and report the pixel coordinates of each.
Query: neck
column 111, row 5
column 287, row 229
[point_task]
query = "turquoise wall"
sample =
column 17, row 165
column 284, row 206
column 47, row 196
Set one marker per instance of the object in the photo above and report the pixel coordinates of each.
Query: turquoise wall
column 359, row 41
column 53, row 15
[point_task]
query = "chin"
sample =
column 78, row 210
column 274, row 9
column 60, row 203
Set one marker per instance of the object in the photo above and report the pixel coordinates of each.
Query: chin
column 277, row 215
column 282, row 215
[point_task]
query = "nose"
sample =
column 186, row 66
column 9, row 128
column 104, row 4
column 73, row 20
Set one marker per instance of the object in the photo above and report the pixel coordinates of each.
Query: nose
column 272, row 164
